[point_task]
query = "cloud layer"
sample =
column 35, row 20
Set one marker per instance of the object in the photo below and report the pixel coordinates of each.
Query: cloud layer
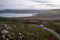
column 29, row 4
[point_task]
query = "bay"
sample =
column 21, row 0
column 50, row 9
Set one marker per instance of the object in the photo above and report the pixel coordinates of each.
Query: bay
column 16, row 14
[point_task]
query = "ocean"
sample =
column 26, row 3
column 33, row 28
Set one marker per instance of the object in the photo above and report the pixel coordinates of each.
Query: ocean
column 16, row 14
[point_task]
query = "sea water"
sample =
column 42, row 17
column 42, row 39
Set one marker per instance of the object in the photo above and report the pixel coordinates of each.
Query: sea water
column 16, row 14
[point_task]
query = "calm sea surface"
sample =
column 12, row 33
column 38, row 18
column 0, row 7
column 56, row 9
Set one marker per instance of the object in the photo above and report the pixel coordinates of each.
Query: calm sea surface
column 16, row 14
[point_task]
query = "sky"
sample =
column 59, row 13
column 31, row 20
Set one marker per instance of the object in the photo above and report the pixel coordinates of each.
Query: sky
column 29, row 4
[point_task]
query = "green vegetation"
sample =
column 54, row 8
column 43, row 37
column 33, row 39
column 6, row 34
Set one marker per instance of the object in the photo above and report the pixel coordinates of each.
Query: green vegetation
column 30, row 31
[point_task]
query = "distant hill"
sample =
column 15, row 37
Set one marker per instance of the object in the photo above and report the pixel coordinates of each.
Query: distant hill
column 49, row 13
column 18, row 11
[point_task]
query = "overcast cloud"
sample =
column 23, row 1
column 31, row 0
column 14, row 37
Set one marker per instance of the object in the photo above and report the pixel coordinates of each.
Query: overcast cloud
column 29, row 4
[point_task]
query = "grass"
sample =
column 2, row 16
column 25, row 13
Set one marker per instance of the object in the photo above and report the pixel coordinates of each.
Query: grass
column 30, row 31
